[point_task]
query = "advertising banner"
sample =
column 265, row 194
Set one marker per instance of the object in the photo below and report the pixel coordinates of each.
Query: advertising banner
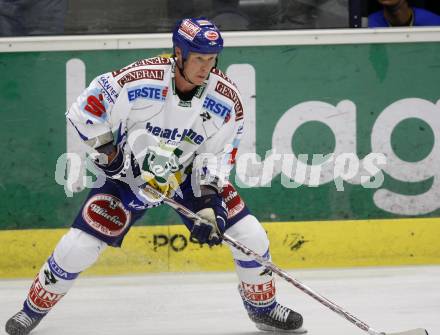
column 339, row 157
column 332, row 132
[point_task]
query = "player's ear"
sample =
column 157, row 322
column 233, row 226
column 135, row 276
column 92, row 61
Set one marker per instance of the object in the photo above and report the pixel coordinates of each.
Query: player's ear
column 178, row 53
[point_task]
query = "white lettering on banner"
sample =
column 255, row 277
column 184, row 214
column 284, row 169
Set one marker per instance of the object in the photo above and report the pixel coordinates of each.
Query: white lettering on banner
column 408, row 171
column 75, row 85
column 342, row 121
column 342, row 165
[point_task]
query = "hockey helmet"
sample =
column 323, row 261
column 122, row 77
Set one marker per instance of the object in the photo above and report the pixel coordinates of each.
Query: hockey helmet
column 197, row 35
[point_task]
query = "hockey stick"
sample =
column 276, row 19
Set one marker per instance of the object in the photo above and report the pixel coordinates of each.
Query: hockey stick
column 269, row 265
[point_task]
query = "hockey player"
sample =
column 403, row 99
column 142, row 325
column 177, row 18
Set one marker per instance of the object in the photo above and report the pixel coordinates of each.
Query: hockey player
column 399, row 13
column 173, row 124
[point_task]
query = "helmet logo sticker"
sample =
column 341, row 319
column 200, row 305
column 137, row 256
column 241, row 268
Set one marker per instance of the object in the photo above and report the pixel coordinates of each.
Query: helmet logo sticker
column 211, row 35
column 188, row 29
column 204, row 23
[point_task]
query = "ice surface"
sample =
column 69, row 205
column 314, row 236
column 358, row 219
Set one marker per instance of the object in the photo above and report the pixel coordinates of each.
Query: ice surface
column 388, row 299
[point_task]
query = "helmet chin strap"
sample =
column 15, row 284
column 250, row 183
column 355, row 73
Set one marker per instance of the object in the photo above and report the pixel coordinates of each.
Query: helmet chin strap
column 397, row 6
column 182, row 72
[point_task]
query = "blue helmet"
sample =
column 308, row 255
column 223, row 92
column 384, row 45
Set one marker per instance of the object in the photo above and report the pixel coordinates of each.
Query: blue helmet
column 197, row 35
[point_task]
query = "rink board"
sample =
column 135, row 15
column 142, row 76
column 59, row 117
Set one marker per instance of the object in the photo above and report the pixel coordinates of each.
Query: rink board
column 311, row 244
column 379, row 98
column 393, row 103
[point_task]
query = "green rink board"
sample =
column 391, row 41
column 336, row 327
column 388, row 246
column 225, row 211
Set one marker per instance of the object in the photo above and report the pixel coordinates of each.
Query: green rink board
column 372, row 76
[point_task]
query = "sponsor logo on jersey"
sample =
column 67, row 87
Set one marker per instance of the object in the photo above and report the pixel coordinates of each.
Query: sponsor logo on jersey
column 211, row 35
column 188, row 135
column 109, row 92
column 216, row 106
column 233, row 201
column 40, row 299
column 106, row 214
column 149, row 92
column 231, row 94
column 188, row 29
column 222, row 75
column 143, row 62
column 259, row 293
column 95, row 104
column 141, row 74
column 156, row 61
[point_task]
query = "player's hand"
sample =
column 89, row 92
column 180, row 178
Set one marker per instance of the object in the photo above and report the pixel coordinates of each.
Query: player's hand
column 111, row 159
column 213, row 210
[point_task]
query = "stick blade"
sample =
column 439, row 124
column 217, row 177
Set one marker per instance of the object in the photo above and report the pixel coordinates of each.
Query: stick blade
column 418, row 331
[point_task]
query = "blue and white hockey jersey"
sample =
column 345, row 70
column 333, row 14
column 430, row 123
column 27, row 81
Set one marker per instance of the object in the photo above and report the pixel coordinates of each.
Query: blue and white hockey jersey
column 164, row 138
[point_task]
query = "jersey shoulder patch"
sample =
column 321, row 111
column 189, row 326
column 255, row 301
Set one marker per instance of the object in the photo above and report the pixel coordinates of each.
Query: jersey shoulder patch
column 149, row 68
column 220, row 73
column 231, row 93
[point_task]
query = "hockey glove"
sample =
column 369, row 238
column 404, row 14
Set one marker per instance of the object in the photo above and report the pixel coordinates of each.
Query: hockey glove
column 212, row 208
column 116, row 163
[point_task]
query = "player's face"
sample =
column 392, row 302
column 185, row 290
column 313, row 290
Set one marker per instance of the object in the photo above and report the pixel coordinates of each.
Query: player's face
column 390, row 2
column 198, row 66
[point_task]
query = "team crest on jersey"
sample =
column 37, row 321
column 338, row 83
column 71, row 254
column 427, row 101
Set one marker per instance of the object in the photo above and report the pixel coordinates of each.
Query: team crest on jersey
column 161, row 164
column 106, row 214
